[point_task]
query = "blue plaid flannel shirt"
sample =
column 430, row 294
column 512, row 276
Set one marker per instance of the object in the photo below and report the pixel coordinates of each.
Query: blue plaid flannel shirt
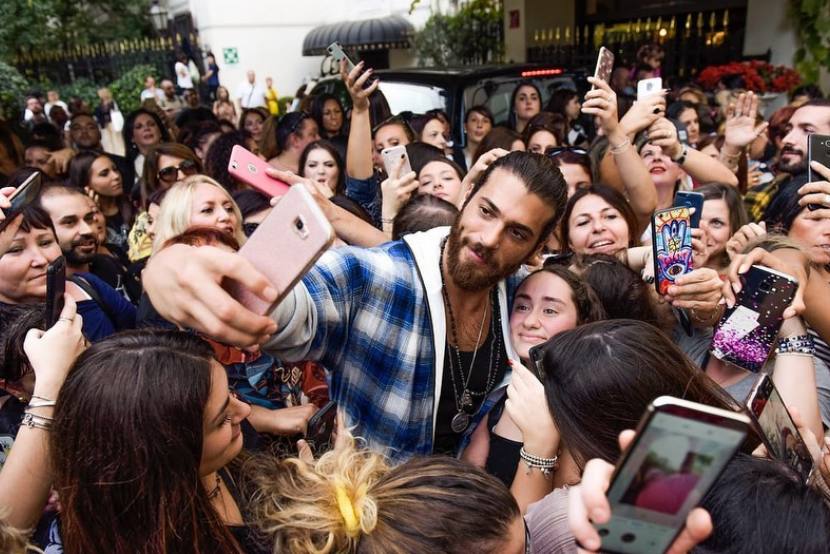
column 372, row 327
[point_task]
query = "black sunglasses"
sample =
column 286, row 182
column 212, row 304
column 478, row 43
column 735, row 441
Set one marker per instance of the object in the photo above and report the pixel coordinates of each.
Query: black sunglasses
column 554, row 151
column 170, row 173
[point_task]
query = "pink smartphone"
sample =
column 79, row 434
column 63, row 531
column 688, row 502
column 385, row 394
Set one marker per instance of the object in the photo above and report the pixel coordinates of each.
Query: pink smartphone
column 284, row 247
column 245, row 166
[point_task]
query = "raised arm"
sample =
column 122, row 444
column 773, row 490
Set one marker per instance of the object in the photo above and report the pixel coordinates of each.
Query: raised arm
column 639, row 188
column 740, row 129
column 700, row 167
column 359, row 153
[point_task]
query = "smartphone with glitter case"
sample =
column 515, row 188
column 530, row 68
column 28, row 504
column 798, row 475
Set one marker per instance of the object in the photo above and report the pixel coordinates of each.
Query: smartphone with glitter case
column 671, row 239
column 746, row 333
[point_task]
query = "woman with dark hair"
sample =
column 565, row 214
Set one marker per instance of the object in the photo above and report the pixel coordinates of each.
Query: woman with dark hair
column 98, row 176
column 478, row 122
column 429, row 129
column 575, row 165
column 143, row 129
column 499, row 137
column 328, row 112
column 164, row 165
column 723, row 214
column 284, row 139
column 253, row 121
column 585, row 372
column 686, row 113
column 565, row 102
column 394, row 131
column 173, row 480
column 540, row 138
column 11, row 151
column 598, row 220
column 525, row 102
column 321, row 162
column 254, row 207
column 547, row 302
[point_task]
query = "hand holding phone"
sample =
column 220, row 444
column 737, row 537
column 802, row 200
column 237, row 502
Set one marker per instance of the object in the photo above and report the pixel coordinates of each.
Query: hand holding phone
column 693, row 201
column 247, row 167
column 55, row 289
column 746, row 333
column 284, row 247
column 392, row 158
column 605, row 65
column 671, row 239
column 647, row 87
column 679, row 451
column 23, row 196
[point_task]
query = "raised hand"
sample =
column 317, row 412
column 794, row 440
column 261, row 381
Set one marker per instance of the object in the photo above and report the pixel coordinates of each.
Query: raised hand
column 740, row 128
column 663, row 133
column 643, row 113
column 355, row 80
column 742, row 262
column 396, row 190
column 743, row 236
column 601, row 101
column 527, row 406
column 9, row 229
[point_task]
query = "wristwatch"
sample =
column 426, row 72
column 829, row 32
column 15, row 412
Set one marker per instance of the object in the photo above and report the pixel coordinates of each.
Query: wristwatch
column 681, row 159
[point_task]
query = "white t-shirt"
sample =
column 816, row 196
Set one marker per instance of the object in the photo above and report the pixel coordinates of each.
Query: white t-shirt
column 251, row 95
column 156, row 94
column 183, row 76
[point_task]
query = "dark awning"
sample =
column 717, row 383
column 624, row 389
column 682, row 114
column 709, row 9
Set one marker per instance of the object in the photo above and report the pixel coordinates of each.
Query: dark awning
column 369, row 34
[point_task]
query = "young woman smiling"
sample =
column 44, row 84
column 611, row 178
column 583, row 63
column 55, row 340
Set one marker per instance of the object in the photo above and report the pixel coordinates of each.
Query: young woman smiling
column 598, row 220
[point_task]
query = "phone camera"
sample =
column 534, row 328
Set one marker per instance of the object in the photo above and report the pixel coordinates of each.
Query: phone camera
column 298, row 223
column 628, row 537
column 235, row 164
column 764, row 287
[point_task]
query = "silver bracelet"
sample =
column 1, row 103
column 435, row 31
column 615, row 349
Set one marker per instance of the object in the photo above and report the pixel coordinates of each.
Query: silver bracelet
column 34, row 421
column 545, row 465
column 620, row 147
column 40, row 403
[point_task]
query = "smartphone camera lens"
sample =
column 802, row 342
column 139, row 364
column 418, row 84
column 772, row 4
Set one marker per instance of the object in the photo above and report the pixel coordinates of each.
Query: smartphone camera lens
column 235, row 164
column 298, row 223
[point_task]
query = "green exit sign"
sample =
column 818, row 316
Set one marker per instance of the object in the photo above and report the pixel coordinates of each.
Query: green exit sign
column 231, row 56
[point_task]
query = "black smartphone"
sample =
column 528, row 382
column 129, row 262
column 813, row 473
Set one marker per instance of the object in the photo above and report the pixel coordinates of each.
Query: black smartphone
column 536, row 356
column 777, row 428
column 320, row 428
column 818, row 149
column 746, row 332
column 680, row 449
column 690, row 200
column 23, row 196
column 55, row 289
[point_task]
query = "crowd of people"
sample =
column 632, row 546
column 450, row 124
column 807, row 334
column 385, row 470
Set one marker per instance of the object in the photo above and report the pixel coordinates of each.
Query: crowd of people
column 160, row 415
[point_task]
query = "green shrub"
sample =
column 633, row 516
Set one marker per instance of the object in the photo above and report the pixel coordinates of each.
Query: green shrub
column 84, row 88
column 127, row 89
column 284, row 103
column 13, row 89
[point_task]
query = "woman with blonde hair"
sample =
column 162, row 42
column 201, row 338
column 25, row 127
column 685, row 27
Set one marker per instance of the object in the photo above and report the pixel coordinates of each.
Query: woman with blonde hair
column 198, row 201
column 352, row 500
column 111, row 121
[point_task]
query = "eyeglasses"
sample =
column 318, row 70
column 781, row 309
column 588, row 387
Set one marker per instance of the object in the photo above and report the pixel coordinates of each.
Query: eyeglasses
column 171, row 173
column 249, row 228
column 554, row 151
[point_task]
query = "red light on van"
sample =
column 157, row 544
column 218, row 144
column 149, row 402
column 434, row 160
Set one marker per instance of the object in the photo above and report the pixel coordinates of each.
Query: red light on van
column 541, row 72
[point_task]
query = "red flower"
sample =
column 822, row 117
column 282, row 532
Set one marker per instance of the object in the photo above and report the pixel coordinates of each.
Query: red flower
column 759, row 76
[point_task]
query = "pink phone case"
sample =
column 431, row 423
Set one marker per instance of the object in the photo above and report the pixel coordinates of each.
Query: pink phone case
column 248, row 168
column 284, row 247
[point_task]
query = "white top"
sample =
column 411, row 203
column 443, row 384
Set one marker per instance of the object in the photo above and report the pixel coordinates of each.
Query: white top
column 156, row 93
column 251, row 95
column 183, row 76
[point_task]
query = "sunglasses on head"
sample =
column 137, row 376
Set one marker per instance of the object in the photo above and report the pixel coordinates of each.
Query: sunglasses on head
column 554, row 151
column 171, row 173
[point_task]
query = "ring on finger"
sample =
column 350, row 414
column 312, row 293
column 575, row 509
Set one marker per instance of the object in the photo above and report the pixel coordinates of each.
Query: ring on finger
column 68, row 319
column 826, row 200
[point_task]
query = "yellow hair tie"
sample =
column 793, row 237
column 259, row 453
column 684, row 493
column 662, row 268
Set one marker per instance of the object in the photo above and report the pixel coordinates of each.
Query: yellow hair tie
column 346, row 507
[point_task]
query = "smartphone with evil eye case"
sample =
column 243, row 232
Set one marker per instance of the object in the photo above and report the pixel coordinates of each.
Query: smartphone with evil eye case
column 747, row 332
column 671, row 240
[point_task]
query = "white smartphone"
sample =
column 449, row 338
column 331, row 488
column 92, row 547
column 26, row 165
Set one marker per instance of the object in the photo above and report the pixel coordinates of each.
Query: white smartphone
column 680, row 449
column 337, row 53
column 392, row 157
column 284, row 247
column 647, row 87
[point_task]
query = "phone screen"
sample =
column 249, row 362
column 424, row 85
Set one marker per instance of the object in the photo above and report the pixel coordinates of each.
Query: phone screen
column 23, row 196
column 665, row 474
column 782, row 436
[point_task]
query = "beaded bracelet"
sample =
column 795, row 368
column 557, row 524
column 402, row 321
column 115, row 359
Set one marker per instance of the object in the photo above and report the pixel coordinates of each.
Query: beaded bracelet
column 799, row 344
column 545, row 465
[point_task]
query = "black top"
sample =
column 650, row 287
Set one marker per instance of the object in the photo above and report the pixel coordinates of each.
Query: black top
column 503, row 455
column 446, row 440
column 247, row 537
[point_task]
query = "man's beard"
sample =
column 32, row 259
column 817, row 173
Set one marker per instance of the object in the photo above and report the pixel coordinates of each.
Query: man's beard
column 74, row 257
column 469, row 275
column 793, row 168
